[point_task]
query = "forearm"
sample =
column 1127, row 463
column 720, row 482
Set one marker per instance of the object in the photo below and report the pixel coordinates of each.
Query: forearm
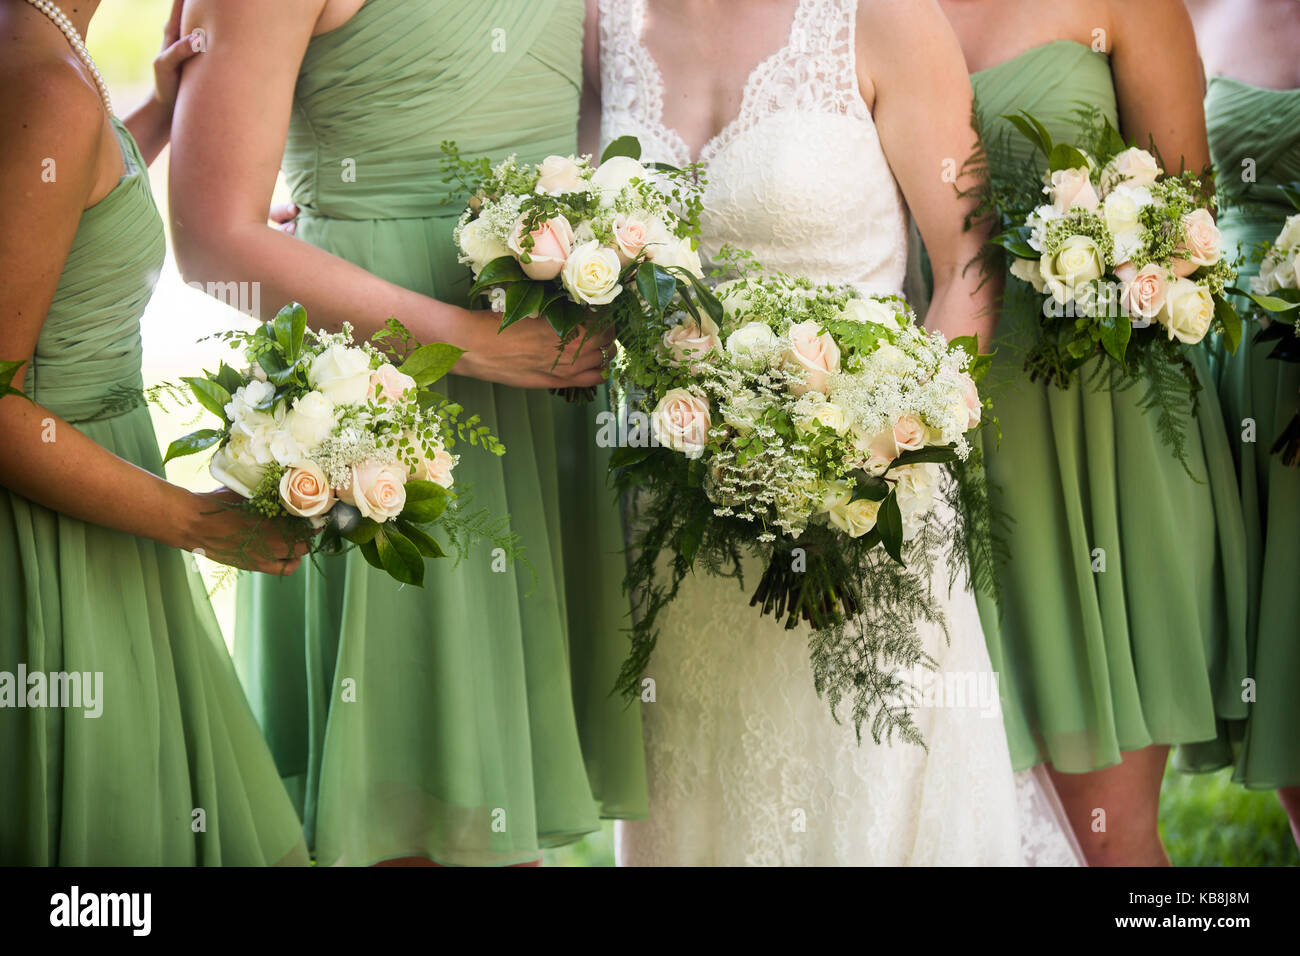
column 964, row 303
column 75, row 476
column 150, row 127
column 287, row 269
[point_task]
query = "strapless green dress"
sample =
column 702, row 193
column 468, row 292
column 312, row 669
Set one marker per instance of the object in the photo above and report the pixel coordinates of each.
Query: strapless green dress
column 1262, row 125
column 174, row 734
column 469, row 721
column 1151, row 649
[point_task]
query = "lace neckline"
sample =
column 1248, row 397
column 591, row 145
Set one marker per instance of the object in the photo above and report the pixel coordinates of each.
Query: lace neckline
column 655, row 107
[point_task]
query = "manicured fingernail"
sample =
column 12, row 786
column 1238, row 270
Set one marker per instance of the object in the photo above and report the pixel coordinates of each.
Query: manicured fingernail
column 199, row 40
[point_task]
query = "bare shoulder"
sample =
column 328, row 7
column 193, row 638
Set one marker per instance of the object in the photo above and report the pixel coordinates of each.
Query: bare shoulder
column 901, row 30
column 49, row 109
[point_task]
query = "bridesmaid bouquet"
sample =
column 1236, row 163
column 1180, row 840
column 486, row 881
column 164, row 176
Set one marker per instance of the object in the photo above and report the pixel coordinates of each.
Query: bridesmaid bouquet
column 1128, row 259
column 336, row 434
column 1275, row 292
column 570, row 242
column 805, row 424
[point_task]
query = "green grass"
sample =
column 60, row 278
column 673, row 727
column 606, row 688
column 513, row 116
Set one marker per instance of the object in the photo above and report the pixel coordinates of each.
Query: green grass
column 1207, row 820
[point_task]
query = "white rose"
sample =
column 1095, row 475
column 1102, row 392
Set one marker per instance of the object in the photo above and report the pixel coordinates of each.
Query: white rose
column 590, row 274
column 311, row 419
column 855, row 518
column 615, row 173
column 1188, row 311
column 558, row 175
column 917, row 487
column 1290, row 234
column 875, row 312
column 681, row 422
column 1076, row 262
column 832, row 416
column 247, row 397
column 677, row 252
column 1029, row 270
column 478, row 245
column 734, row 296
column 342, row 374
column 752, row 343
column 1134, row 166
column 241, row 476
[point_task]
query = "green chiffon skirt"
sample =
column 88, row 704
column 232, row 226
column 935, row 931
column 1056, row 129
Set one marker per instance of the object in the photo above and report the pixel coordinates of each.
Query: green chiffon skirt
column 469, row 721
column 1123, row 610
column 173, row 772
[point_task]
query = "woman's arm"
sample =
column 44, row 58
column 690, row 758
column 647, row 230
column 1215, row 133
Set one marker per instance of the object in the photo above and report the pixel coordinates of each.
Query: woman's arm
column 913, row 72
column 151, row 123
column 52, row 114
column 589, row 109
column 1158, row 81
column 232, row 118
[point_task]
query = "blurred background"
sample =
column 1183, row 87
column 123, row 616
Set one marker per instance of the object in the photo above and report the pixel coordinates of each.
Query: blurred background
column 1205, row 820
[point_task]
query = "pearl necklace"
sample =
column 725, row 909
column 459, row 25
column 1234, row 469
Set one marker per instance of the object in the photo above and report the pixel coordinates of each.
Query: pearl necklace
column 60, row 19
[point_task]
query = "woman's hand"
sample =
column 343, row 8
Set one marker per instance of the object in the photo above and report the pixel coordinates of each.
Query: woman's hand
column 528, row 354
column 151, row 124
column 227, row 533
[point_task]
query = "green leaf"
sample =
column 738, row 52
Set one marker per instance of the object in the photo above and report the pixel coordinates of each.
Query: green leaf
column 707, row 300
column 889, row 522
column 1292, row 192
column 500, row 271
column 564, row 316
column 1016, row 241
column 427, row 544
column 431, row 362
column 277, row 371
column 1112, row 143
column 1065, row 156
column 522, row 300
column 7, row 371
column 370, row 551
column 692, row 536
column 193, row 443
column 290, row 324
column 626, row 457
column 425, row 501
column 210, row 395
column 399, row 556
column 228, row 378
column 937, row 454
column 1116, row 330
column 656, row 285
column 628, row 146
column 1032, row 130
column 1271, row 303
column 871, row 488
column 363, row 531
column 1226, row 314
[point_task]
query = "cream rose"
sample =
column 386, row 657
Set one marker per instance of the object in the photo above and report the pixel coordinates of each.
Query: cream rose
column 687, row 342
column 677, row 252
column 875, row 312
column 478, row 245
column 342, row 374
column 1031, row 271
column 1202, row 243
column 832, row 416
column 1188, row 311
column 310, row 420
column 681, row 422
column 816, row 353
column 591, row 274
column 241, row 475
column 558, row 175
column 615, row 173
column 377, row 490
column 391, row 383
column 305, row 491
column 1144, row 289
column 1076, row 262
column 855, row 518
column 1133, row 166
column 1072, row 189
column 751, row 343
column 552, row 242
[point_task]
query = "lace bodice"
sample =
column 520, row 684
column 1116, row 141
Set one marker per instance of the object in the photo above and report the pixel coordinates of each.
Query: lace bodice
column 799, row 177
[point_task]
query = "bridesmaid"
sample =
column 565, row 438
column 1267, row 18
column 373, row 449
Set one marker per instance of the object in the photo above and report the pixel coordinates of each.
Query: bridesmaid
column 1104, row 670
column 468, row 722
column 1252, row 111
column 165, row 764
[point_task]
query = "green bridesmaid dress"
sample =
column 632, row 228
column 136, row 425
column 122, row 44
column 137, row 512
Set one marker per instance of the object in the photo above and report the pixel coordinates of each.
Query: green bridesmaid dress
column 1123, row 611
column 469, row 721
column 173, row 734
column 1250, row 123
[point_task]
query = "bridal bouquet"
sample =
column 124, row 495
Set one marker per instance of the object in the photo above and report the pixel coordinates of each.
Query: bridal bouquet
column 807, row 425
column 347, row 437
column 1275, row 291
column 1128, row 259
column 570, row 242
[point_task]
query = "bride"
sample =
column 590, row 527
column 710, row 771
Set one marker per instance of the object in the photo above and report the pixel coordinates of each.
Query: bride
column 810, row 155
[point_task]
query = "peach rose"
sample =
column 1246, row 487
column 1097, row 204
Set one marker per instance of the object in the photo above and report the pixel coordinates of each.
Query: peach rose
column 910, row 433
column 971, row 399
column 378, row 491
column 633, row 233
column 1072, row 189
column 816, row 353
column 305, row 491
column 552, row 241
column 1202, row 243
column 438, row 468
column 681, row 422
column 1144, row 290
column 688, row 342
column 390, row 383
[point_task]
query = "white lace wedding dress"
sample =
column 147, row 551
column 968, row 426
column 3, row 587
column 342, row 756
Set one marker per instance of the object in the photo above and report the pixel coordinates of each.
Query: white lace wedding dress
column 745, row 764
